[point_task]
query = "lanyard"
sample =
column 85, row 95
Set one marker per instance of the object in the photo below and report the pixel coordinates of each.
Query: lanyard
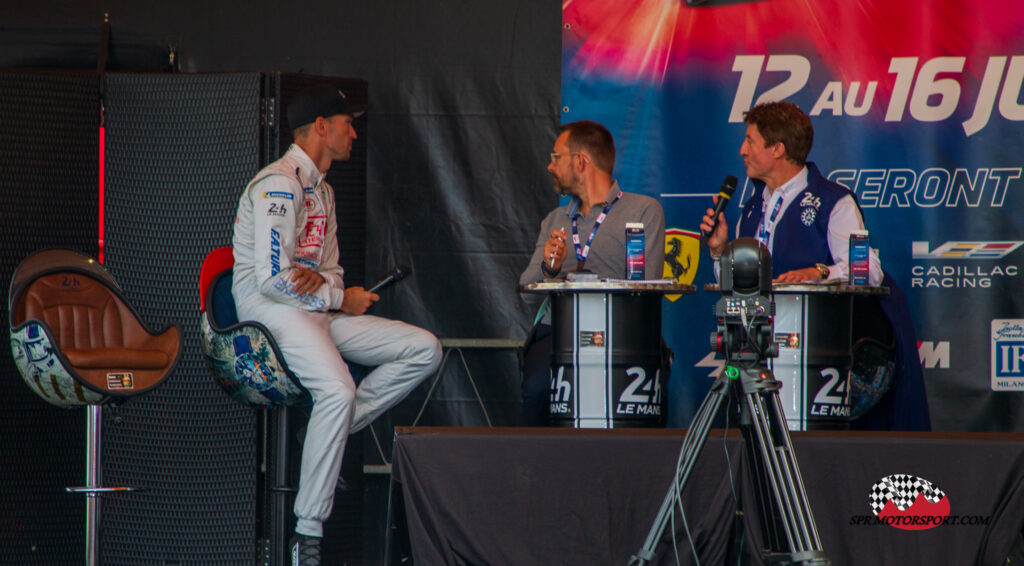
column 581, row 255
column 765, row 231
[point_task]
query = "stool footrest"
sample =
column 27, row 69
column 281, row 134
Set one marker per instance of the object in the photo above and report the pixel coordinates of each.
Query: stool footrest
column 511, row 343
column 92, row 490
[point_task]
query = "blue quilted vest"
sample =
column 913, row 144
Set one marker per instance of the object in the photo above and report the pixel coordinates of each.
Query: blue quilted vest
column 801, row 234
column 801, row 240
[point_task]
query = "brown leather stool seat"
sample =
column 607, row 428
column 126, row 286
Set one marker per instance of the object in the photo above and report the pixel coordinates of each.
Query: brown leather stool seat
column 76, row 340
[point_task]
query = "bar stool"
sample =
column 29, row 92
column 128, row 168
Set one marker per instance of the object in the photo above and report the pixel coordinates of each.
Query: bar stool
column 248, row 365
column 77, row 342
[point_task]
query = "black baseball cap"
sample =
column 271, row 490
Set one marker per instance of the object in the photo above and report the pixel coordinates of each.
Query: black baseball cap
column 320, row 100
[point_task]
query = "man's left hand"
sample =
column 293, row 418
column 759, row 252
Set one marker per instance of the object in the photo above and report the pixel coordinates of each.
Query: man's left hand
column 306, row 280
column 800, row 275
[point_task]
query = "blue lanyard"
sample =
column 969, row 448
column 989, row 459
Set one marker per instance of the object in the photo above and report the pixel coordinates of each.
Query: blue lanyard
column 765, row 231
column 581, row 255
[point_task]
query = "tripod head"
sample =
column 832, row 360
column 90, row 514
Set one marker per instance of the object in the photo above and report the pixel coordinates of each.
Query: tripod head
column 745, row 335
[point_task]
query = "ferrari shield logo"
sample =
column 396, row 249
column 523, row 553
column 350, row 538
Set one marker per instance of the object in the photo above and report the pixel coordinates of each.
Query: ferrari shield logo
column 682, row 254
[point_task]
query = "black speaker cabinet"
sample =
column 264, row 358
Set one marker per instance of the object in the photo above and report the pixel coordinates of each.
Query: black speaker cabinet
column 179, row 149
column 49, row 164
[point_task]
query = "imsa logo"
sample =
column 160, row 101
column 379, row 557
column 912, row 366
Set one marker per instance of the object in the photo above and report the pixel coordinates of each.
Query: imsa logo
column 1008, row 354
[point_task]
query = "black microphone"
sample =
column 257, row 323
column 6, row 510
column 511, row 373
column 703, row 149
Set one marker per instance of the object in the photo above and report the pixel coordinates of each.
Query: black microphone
column 724, row 194
column 394, row 276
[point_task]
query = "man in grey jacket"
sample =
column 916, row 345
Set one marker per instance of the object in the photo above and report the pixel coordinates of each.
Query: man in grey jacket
column 588, row 234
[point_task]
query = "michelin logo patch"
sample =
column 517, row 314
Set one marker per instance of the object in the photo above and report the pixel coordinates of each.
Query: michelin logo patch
column 278, row 194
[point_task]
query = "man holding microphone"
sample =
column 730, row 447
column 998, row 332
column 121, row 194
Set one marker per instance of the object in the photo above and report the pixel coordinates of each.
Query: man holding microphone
column 805, row 220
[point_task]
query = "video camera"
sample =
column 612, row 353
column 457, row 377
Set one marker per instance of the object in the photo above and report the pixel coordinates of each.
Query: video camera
column 789, row 534
column 745, row 335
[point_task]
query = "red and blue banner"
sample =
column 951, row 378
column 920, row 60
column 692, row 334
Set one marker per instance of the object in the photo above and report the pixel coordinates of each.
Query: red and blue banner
column 917, row 108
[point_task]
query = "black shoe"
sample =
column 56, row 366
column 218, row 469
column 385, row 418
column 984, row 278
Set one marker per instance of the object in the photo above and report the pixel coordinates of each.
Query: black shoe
column 304, row 550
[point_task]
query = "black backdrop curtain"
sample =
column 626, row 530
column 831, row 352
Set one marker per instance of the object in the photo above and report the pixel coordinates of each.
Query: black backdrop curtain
column 464, row 105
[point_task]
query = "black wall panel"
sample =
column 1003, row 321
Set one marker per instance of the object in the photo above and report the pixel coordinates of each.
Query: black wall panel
column 465, row 104
column 180, row 149
column 48, row 187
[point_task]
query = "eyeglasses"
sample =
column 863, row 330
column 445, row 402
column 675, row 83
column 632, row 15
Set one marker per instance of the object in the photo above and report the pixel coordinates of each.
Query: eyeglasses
column 555, row 156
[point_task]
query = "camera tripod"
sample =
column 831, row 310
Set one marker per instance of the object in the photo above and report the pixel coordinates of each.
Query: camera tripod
column 780, row 488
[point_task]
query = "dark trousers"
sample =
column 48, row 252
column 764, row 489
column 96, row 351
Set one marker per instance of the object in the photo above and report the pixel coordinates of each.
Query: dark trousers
column 537, row 377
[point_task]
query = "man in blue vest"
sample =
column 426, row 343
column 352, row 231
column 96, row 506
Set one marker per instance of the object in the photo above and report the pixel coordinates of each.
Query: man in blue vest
column 805, row 220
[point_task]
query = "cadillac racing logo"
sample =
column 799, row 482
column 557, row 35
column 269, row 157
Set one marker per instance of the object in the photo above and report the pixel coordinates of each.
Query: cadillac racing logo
column 944, row 267
column 964, row 250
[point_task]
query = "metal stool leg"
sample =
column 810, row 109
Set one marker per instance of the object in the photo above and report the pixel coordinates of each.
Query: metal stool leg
column 93, row 479
column 282, row 488
column 433, row 384
column 93, row 483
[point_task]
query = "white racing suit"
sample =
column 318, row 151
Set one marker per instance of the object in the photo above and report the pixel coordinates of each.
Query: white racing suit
column 286, row 220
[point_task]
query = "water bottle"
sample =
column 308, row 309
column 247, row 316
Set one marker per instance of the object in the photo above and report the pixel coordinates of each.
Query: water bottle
column 860, row 254
column 634, row 250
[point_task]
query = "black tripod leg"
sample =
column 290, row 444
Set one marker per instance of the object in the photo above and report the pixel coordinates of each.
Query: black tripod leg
column 781, row 489
column 794, row 479
column 693, row 443
column 780, row 469
column 772, row 537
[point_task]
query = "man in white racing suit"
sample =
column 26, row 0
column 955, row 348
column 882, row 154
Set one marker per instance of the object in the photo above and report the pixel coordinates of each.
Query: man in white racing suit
column 287, row 277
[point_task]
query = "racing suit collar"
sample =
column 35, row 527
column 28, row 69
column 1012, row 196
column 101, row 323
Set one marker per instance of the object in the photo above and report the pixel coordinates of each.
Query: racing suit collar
column 308, row 173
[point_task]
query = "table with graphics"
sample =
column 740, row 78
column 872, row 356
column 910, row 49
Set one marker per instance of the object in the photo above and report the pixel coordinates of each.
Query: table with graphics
column 607, row 362
column 815, row 327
